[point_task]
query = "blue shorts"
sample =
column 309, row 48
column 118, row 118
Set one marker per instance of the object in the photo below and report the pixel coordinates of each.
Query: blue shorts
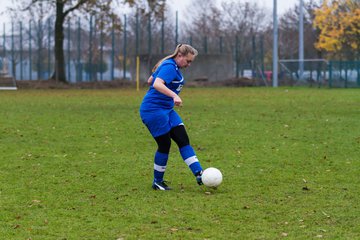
column 160, row 122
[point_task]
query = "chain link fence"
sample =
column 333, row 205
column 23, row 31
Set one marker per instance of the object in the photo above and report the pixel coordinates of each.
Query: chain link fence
column 94, row 53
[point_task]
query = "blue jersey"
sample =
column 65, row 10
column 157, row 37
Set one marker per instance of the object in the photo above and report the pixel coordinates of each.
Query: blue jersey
column 170, row 73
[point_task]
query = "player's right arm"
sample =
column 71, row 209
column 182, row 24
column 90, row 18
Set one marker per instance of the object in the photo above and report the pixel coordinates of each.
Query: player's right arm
column 150, row 79
column 159, row 85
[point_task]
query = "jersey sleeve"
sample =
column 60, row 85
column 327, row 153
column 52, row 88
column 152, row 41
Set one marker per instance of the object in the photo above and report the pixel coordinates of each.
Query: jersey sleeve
column 167, row 73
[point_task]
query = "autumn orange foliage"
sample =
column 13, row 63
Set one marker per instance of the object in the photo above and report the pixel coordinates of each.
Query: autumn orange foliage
column 339, row 25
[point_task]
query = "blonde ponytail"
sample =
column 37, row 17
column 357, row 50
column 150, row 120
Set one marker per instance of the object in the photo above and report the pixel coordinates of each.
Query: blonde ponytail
column 184, row 49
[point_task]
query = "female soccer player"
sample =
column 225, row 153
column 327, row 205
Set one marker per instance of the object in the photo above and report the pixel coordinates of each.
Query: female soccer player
column 158, row 114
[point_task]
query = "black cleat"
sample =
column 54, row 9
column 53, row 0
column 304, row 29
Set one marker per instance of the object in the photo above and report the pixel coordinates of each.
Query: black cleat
column 198, row 178
column 160, row 186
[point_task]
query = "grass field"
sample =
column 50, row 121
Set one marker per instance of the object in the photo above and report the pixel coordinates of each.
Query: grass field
column 77, row 164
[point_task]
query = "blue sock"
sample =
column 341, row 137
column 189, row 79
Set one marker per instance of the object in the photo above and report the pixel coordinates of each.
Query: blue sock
column 160, row 162
column 189, row 156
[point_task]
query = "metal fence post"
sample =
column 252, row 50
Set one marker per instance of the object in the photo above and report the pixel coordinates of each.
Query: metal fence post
column 21, row 52
column 221, row 44
column 254, row 62
column 162, row 34
column 125, row 43
column 101, row 51
column 176, row 28
column 13, row 62
column 39, row 43
column 262, row 54
column 205, row 45
column 4, row 41
column 89, row 65
column 112, row 51
column 68, row 52
column 95, row 62
column 30, row 57
column 237, row 56
column 330, row 73
column 346, row 73
column 340, row 67
column 149, row 35
column 79, row 66
column 49, row 49
column 358, row 73
column 137, row 34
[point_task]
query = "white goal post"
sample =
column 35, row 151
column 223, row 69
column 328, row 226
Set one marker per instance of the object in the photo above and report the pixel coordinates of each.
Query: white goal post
column 7, row 83
column 310, row 70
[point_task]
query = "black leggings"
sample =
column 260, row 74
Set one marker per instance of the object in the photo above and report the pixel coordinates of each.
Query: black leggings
column 178, row 134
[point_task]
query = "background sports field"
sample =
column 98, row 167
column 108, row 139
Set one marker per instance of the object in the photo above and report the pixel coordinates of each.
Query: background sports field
column 77, row 164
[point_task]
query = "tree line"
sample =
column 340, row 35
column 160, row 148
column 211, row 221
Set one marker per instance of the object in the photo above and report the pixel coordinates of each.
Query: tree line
column 331, row 28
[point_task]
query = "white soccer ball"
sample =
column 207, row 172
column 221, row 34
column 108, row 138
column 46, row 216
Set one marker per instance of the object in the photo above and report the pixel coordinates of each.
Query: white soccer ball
column 211, row 177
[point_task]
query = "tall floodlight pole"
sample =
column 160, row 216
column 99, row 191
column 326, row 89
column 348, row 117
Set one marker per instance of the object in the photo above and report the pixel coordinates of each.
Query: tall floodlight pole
column 301, row 40
column 275, row 46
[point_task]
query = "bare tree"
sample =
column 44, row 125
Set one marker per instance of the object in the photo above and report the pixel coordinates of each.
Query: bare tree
column 289, row 32
column 201, row 24
column 63, row 8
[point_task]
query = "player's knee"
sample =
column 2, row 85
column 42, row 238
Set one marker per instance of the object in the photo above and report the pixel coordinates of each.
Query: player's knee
column 182, row 142
column 164, row 143
column 179, row 135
